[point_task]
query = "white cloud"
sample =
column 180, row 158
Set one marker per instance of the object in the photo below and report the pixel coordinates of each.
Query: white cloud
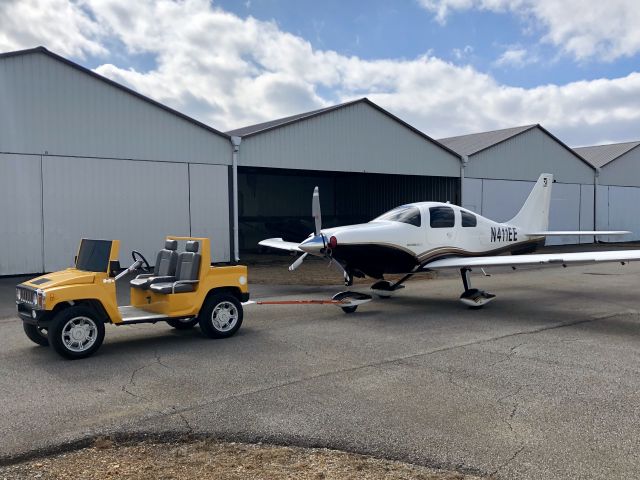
column 462, row 53
column 230, row 72
column 61, row 24
column 514, row 57
column 584, row 29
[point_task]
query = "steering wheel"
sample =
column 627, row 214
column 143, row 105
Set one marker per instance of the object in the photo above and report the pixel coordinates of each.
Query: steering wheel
column 138, row 256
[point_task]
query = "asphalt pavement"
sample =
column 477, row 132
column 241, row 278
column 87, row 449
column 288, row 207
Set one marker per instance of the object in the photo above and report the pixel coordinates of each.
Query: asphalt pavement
column 542, row 383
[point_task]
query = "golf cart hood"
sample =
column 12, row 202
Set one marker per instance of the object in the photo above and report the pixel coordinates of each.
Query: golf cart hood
column 70, row 276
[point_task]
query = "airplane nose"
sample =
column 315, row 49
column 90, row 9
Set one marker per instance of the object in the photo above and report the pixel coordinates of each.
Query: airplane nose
column 314, row 245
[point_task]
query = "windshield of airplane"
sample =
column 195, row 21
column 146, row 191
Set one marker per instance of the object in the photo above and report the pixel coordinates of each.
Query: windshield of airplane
column 93, row 255
column 404, row 214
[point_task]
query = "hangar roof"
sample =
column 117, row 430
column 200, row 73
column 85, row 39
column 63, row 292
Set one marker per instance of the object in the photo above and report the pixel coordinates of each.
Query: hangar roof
column 474, row 143
column 97, row 76
column 281, row 122
column 601, row 155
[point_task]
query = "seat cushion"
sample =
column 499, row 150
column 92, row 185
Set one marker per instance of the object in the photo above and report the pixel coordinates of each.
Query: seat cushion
column 167, row 287
column 144, row 282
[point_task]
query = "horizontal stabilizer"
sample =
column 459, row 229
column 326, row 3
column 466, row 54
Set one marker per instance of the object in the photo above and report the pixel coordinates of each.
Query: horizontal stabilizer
column 280, row 244
column 557, row 233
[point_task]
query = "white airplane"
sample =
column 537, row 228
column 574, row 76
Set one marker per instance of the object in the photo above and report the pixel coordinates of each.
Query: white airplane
column 432, row 236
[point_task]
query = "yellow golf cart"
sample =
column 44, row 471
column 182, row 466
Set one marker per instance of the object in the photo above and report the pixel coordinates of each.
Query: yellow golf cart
column 68, row 309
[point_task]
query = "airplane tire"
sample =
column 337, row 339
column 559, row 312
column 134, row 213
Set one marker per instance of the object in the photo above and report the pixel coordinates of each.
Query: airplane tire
column 221, row 316
column 183, row 323
column 36, row 334
column 75, row 332
column 349, row 309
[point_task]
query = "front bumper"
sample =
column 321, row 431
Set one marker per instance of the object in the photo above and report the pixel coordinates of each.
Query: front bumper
column 31, row 315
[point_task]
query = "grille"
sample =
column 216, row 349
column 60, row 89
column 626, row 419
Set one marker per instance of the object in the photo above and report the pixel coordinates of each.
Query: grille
column 26, row 296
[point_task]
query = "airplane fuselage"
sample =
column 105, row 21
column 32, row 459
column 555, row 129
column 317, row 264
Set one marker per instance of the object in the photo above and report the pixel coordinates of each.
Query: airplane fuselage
column 411, row 236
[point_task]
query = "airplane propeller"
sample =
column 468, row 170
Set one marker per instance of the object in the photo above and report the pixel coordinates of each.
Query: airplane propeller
column 315, row 210
column 298, row 262
column 317, row 218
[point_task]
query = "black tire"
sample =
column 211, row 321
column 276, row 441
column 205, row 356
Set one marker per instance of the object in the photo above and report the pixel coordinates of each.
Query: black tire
column 349, row 309
column 226, row 304
column 183, row 323
column 60, row 335
column 36, row 334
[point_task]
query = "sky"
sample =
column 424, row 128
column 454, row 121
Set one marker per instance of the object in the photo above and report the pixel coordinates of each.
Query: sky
column 448, row 67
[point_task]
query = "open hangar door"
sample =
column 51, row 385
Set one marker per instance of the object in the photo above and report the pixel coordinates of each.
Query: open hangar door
column 572, row 204
column 277, row 202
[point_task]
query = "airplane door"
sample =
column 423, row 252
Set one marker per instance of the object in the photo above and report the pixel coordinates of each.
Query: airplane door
column 441, row 226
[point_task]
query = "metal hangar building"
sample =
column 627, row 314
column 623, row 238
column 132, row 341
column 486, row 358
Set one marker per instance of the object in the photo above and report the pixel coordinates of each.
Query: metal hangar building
column 364, row 160
column 501, row 167
column 617, row 185
column 82, row 156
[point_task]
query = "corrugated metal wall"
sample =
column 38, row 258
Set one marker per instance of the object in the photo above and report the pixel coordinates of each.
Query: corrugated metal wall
column 50, row 203
column 20, row 214
column 623, row 171
column 210, row 213
column 616, row 206
column 356, row 138
column 525, row 157
column 498, row 180
column 500, row 200
column 49, row 106
column 82, row 158
column 136, row 202
column 618, row 191
column 277, row 203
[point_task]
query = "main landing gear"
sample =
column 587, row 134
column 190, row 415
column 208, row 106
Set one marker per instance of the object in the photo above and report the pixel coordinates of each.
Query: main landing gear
column 473, row 297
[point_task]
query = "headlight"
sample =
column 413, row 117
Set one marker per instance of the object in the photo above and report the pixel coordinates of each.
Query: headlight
column 41, row 298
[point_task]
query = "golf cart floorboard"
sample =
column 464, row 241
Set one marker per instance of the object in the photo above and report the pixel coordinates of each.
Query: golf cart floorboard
column 138, row 315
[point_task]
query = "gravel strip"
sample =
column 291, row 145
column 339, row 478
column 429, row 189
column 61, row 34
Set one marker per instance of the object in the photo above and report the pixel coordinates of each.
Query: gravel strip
column 206, row 459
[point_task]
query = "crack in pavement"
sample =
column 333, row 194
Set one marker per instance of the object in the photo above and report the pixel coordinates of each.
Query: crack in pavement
column 508, row 355
column 507, row 462
column 389, row 361
column 131, row 383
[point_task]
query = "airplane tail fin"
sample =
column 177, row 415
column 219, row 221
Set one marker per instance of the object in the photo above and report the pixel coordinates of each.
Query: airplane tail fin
column 534, row 214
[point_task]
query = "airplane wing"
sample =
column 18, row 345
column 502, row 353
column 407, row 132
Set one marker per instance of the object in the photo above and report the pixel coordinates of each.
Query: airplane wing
column 538, row 259
column 280, row 244
column 578, row 232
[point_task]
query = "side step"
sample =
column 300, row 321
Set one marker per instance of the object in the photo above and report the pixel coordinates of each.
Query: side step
column 131, row 315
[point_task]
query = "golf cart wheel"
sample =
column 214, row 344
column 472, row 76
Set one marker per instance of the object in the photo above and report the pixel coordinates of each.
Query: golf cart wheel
column 221, row 316
column 349, row 309
column 76, row 332
column 183, row 323
column 36, row 334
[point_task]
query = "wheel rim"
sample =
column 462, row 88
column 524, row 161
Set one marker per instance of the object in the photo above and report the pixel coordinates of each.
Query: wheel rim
column 79, row 334
column 225, row 316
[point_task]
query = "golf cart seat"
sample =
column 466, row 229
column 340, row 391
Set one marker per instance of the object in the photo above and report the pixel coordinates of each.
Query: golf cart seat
column 186, row 272
column 164, row 269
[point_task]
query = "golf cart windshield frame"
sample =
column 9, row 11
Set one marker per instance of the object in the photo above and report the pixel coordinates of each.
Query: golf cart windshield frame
column 94, row 255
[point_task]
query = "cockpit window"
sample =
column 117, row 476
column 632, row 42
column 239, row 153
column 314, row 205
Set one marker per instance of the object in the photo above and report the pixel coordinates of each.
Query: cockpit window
column 468, row 219
column 404, row 214
column 441, row 217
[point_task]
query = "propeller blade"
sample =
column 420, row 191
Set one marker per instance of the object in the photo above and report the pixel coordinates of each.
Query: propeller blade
column 338, row 266
column 315, row 210
column 298, row 262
